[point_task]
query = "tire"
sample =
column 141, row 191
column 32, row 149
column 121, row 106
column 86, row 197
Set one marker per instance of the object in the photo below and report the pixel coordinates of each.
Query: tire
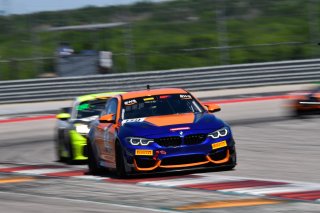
column 58, row 147
column 299, row 114
column 93, row 166
column 120, row 163
column 58, row 152
column 232, row 162
column 70, row 151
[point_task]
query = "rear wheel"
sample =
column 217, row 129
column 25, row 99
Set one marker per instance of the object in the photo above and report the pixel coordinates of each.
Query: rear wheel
column 297, row 112
column 92, row 161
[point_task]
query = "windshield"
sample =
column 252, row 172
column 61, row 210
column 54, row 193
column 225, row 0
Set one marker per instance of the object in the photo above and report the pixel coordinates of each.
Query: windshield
column 159, row 105
column 90, row 108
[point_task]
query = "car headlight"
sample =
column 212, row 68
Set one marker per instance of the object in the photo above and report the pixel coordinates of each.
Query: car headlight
column 82, row 129
column 139, row 141
column 219, row 133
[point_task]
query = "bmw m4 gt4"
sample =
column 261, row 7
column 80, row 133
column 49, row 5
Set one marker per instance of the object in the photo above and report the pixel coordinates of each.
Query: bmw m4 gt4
column 156, row 130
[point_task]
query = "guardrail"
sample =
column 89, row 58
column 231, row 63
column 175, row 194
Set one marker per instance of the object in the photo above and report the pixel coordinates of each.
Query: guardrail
column 196, row 79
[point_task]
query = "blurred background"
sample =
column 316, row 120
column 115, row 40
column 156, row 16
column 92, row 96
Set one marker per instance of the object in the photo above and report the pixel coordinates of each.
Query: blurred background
column 135, row 36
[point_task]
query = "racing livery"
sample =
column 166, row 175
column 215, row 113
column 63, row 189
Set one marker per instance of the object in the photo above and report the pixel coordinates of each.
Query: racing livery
column 307, row 102
column 72, row 126
column 159, row 129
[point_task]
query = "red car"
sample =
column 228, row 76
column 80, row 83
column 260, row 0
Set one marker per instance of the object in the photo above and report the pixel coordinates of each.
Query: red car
column 306, row 103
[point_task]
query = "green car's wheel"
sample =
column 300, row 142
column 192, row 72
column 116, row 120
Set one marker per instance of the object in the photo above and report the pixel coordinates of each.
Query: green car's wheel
column 59, row 152
column 59, row 147
column 70, row 152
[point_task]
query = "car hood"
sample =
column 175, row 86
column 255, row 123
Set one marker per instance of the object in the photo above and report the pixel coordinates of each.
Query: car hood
column 86, row 120
column 170, row 124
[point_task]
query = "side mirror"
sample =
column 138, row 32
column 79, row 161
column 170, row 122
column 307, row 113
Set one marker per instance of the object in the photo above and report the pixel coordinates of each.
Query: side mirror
column 63, row 116
column 66, row 110
column 213, row 107
column 109, row 118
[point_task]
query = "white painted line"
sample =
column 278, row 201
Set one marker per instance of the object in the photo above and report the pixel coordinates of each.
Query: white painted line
column 130, row 207
column 262, row 179
column 43, row 171
column 187, row 181
column 270, row 190
column 90, row 177
column 6, row 166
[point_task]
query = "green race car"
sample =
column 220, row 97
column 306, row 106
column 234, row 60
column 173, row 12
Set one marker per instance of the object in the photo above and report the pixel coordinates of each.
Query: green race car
column 73, row 126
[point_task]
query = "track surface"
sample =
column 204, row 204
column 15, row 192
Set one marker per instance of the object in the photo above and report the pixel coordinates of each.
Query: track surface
column 272, row 149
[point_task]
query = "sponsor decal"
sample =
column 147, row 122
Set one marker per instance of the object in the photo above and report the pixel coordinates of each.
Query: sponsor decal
column 84, row 106
column 179, row 128
column 149, row 99
column 162, row 152
column 130, row 102
column 219, row 145
column 185, row 97
column 133, row 120
column 144, row 152
column 164, row 96
column 159, row 152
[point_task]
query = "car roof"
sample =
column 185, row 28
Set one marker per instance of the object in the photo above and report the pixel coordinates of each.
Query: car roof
column 151, row 92
column 95, row 96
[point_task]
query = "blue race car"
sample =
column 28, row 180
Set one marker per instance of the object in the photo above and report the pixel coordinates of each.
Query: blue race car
column 159, row 129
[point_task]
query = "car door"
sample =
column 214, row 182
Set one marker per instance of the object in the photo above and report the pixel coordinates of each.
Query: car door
column 106, row 135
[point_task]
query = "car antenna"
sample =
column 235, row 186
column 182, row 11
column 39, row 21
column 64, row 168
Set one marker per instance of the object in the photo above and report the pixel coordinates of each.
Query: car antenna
column 148, row 87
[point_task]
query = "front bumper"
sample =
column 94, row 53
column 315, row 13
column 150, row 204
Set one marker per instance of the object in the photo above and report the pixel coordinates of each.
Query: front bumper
column 78, row 143
column 157, row 158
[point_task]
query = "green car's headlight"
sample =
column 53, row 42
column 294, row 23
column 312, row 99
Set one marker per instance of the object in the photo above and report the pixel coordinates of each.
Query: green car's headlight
column 82, row 129
column 139, row 141
column 219, row 133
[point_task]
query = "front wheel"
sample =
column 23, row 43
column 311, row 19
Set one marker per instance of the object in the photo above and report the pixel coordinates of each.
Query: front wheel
column 233, row 160
column 120, row 162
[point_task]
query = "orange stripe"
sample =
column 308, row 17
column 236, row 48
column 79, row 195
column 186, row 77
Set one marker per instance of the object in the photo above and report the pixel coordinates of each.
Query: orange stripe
column 184, row 165
column 166, row 120
column 16, row 180
column 146, row 169
column 228, row 204
column 219, row 161
column 158, row 164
